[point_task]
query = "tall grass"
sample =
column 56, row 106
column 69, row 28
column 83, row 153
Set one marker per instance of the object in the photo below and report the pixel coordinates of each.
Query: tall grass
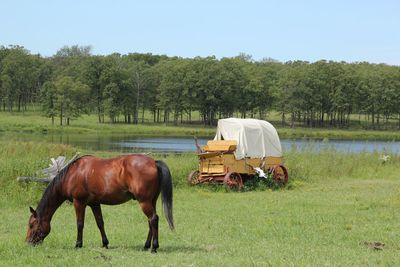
column 317, row 166
column 305, row 166
column 334, row 205
column 25, row 159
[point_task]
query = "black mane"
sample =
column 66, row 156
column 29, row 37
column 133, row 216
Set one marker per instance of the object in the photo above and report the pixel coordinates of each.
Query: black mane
column 49, row 193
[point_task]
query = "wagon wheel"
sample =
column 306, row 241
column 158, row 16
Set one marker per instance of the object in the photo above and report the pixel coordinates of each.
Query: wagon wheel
column 233, row 181
column 193, row 178
column 280, row 174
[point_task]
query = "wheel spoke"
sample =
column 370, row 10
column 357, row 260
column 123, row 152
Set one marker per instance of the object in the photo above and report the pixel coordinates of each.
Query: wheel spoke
column 233, row 181
column 193, row 178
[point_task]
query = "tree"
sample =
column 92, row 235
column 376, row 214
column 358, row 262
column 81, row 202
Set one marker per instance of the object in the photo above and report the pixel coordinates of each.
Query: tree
column 207, row 87
column 92, row 69
column 171, row 96
column 74, row 51
column 139, row 77
column 115, row 78
column 111, row 100
column 20, row 71
column 6, row 94
column 48, row 96
column 71, row 98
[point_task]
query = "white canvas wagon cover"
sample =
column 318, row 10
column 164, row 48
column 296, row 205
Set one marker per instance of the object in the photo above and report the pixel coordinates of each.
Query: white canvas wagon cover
column 255, row 138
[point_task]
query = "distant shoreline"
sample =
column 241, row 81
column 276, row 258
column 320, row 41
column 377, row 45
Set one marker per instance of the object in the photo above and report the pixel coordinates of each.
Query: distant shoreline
column 34, row 123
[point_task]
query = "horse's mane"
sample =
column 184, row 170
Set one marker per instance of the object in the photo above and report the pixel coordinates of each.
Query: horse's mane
column 48, row 193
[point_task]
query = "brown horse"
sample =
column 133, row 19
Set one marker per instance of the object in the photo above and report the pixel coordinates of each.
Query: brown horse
column 90, row 181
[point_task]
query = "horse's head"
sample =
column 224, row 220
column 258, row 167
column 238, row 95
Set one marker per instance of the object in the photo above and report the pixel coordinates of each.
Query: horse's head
column 36, row 231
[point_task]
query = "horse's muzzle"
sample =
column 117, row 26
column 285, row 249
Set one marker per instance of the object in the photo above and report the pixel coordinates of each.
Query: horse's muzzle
column 35, row 240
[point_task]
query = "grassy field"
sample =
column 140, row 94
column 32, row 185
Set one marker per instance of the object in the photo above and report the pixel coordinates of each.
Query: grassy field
column 333, row 208
column 34, row 122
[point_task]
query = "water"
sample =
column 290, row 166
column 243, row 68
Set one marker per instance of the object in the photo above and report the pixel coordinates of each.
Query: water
column 187, row 145
column 131, row 144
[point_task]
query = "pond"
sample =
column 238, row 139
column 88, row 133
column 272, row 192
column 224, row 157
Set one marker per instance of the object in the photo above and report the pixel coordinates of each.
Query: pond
column 132, row 144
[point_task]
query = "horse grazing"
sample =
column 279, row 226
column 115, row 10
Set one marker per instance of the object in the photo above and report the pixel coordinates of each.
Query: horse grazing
column 90, row 181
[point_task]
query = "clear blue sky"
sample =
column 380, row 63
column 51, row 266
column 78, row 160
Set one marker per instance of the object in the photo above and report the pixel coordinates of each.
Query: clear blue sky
column 349, row 30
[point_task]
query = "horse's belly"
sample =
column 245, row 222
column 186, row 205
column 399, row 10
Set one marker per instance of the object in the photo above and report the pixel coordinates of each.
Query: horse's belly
column 111, row 198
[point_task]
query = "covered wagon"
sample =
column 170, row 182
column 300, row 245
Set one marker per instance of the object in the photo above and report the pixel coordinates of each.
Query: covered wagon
column 240, row 148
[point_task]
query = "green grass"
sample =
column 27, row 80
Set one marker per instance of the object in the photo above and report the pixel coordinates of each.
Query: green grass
column 35, row 123
column 323, row 225
column 333, row 204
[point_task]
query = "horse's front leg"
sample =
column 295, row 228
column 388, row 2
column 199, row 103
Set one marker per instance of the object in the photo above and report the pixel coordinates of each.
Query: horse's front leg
column 100, row 223
column 80, row 221
column 147, row 244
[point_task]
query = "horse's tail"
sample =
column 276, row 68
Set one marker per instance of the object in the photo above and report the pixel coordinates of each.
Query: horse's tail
column 166, row 191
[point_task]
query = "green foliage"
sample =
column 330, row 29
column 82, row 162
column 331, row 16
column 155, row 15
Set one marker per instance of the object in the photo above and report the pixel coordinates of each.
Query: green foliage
column 66, row 98
column 261, row 183
column 74, row 51
column 111, row 100
column 319, row 94
column 19, row 78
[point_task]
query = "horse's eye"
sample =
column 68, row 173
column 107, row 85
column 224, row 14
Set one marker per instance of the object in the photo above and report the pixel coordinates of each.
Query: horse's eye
column 30, row 225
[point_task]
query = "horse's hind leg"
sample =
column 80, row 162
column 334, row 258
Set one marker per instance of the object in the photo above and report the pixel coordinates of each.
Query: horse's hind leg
column 152, row 238
column 96, row 209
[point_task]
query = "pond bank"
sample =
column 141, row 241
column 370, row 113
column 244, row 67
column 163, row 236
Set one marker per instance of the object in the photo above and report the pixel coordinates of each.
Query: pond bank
column 34, row 123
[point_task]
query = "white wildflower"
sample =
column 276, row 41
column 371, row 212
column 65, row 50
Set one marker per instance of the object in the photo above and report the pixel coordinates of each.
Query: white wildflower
column 384, row 158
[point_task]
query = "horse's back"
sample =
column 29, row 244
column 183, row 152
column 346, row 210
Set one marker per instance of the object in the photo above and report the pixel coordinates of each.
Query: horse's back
column 112, row 181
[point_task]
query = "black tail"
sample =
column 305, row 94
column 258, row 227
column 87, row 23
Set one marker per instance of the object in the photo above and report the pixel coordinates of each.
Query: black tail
column 166, row 191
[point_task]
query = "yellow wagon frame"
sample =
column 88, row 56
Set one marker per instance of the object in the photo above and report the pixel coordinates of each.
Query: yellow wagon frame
column 218, row 165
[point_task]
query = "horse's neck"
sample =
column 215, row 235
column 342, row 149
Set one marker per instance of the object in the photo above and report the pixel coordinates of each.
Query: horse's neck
column 51, row 200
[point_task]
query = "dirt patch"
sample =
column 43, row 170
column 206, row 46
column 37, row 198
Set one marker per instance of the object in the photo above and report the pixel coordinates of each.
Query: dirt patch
column 375, row 245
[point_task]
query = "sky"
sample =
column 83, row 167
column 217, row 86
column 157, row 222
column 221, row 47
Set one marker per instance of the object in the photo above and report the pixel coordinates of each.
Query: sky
column 310, row 30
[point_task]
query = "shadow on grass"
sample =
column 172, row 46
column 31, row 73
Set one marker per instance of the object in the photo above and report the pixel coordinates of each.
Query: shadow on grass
column 162, row 249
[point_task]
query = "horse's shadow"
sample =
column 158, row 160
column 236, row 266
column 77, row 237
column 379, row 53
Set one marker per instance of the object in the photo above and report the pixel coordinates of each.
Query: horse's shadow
column 163, row 249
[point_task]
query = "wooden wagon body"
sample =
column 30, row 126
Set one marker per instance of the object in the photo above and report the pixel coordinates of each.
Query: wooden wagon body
column 219, row 162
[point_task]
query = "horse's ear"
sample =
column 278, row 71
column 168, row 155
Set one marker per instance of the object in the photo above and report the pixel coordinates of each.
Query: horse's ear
column 33, row 211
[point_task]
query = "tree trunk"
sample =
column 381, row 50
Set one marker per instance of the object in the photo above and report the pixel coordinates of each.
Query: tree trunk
column 399, row 120
column 61, row 117
column 377, row 120
column 19, row 103
column 137, row 98
column 292, row 118
column 373, row 119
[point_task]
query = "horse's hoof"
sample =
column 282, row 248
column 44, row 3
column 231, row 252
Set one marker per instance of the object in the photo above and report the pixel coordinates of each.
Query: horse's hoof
column 154, row 251
column 78, row 244
column 105, row 246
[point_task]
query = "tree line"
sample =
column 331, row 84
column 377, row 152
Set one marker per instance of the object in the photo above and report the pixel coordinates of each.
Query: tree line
column 122, row 88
